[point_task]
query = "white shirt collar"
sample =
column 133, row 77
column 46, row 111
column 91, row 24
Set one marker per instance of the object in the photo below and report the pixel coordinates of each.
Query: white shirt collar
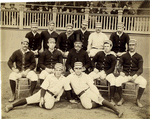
column 132, row 53
column 119, row 34
column 83, row 31
column 34, row 33
column 25, row 51
column 50, row 31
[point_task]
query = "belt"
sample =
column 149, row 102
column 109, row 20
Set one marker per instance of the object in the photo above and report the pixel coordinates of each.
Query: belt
column 50, row 92
column 94, row 48
column 82, row 92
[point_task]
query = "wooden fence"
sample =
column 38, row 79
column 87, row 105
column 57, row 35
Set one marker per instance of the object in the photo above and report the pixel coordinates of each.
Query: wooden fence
column 22, row 19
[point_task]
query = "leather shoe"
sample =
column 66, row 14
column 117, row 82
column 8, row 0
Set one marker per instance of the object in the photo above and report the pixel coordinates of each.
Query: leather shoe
column 120, row 102
column 8, row 108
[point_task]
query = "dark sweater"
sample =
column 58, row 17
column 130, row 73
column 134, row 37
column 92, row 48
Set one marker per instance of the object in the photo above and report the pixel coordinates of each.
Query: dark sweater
column 131, row 65
column 48, row 59
column 64, row 43
column 83, row 37
column 119, row 43
column 34, row 41
column 104, row 62
column 23, row 62
column 80, row 56
column 45, row 36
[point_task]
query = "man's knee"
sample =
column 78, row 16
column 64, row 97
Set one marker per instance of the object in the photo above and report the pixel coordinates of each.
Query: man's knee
column 32, row 76
column 43, row 74
column 49, row 105
column 13, row 76
column 143, row 83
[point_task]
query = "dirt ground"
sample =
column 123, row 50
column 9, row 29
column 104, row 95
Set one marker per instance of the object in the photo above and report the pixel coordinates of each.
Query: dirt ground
column 65, row 110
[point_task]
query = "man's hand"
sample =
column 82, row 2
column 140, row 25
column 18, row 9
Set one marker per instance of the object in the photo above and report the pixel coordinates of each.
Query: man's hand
column 134, row 77
column 15, row 70
column 41, row 101
column 49, row 70
column 24, row 73
column 119, row 54
column 88, row 51
column 96, row 70
column 103, row 76
column 36, row 52
column 122, row 74
column 57, row 99
column 66, row 54
column 71, row 71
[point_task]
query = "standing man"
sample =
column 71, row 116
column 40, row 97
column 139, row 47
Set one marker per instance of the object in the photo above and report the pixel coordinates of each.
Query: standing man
column 48, row 59
column 24, row 65
column 83, row 34
column 132, row 64
column 104, row 64
column 50, row 33
column 34, row 39
column 65, row 41
column 96, row 40
column 85, row 89
column 77, row 54
column 52, row 87
column 120, row 40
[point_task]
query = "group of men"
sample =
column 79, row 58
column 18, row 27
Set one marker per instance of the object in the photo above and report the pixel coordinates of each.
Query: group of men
column 88, row 56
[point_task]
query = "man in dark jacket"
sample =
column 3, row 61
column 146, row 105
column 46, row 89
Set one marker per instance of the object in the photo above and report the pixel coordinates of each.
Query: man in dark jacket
column 65, row 41
column 83, row 34
column 132, row 64
column 78, row 54
column 34, row 39
column 50, row 33
column 24, row 65
column 48, row 59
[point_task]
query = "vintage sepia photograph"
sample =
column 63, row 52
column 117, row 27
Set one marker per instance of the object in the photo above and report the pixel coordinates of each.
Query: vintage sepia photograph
column 75, row 59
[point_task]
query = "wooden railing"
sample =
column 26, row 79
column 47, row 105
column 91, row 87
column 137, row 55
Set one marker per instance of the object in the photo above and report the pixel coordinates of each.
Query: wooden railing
column 109, row 22
column 22, row 19
column 137, row 23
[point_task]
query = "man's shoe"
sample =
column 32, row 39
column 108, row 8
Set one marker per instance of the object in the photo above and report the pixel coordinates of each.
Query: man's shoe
column 73, row 101
column 8, row 108
column 120, row 102
column 120, row 114
column 12, row 98
column 139, row 104
column 112, row 102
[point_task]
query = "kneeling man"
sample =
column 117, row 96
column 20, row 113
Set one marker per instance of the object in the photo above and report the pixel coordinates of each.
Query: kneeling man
column 85, row 89
column 51, row 87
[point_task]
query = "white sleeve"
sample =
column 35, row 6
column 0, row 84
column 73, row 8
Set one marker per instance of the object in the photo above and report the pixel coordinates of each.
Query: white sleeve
column 46, row 83
column 89, row 42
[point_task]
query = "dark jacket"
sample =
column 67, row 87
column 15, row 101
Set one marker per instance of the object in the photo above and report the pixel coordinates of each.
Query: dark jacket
column 45, row 36
column 34, row 41
column 48, row 59
column 64, row 43
column 80, row 56
column 23, row 62
column 131, row 65
column 119, row 43
column 83, row 37
column 104, row 62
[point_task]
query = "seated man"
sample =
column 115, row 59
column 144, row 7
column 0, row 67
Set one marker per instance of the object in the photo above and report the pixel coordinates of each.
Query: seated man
column 51, row 87
column 104, row 64
column 65, row 40
column 85, row 89
column 22, row 63
column 132, row 64
column 48, row 59
column 78, row 54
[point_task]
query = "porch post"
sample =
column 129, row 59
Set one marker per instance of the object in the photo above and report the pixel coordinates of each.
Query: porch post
column 21, row 9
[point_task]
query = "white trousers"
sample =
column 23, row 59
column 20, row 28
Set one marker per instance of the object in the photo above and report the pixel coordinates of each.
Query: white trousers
column 93, row 52
column 48, row 98
column 31, row 75
column 88, row 97
column 110, row 77
column 139, row 80
column 43, row 74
